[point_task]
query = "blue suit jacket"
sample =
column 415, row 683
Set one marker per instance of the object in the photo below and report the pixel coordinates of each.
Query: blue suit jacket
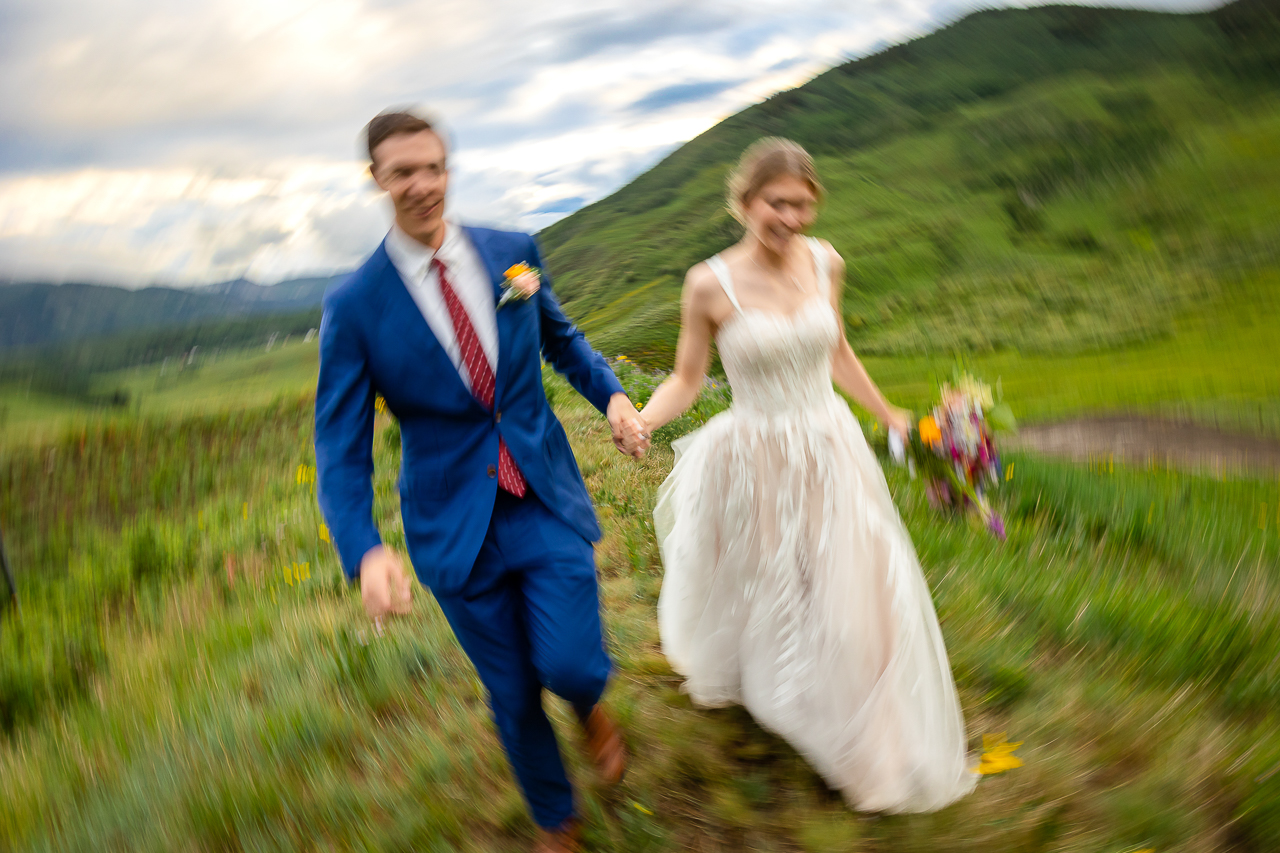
column 373, row 338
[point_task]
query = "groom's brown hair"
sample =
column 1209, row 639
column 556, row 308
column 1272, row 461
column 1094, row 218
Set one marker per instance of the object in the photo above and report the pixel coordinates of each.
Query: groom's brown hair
column 393, row 122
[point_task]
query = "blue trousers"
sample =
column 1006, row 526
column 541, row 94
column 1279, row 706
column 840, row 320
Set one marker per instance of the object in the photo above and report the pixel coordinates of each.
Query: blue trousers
column 529, row 619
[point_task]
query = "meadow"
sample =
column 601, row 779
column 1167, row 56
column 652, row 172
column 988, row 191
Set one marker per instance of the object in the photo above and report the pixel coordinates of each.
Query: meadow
column 189, row 672
column 237, row 378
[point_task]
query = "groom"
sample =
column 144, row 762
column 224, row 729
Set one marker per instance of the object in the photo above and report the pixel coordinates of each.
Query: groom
column 497, row 519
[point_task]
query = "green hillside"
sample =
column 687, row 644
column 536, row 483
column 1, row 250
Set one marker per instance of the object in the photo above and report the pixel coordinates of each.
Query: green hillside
column 1044, row 181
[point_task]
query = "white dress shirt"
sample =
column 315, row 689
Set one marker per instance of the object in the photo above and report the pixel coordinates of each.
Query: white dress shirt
column 469, row 279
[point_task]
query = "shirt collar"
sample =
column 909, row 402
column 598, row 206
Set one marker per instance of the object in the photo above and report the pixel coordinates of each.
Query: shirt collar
column 410, row 255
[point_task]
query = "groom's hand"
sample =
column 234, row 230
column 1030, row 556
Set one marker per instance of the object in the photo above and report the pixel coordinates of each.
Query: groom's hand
column 630, row 434
column 384, row 584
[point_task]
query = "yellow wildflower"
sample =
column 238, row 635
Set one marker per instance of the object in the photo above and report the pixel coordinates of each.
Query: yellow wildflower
column 997, row 755
column 517, row 270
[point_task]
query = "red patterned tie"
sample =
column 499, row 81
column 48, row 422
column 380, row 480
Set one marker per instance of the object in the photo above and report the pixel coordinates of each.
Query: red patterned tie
column 481, row 373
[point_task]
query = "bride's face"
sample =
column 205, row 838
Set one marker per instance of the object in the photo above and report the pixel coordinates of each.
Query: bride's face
column 784, row 207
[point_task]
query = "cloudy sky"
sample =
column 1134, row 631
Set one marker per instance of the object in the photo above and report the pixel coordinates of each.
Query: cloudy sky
column 184, row 142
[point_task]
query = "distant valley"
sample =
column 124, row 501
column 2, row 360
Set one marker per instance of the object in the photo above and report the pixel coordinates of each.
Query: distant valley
column 40, row 315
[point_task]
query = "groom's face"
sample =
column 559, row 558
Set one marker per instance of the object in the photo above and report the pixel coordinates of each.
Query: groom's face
column 411, row 168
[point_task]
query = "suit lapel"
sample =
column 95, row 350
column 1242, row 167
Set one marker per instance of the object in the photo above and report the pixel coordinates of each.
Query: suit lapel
column 415, row 334
column 493, row 265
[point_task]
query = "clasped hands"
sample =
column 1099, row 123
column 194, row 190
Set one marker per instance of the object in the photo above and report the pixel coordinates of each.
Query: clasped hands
column 630, row 432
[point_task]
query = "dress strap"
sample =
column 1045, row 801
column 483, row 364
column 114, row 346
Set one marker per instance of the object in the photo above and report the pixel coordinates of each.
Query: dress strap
column 821, row 265
column 721, row 269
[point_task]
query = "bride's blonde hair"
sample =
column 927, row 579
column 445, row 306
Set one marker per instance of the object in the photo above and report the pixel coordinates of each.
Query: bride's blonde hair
column 764, row 160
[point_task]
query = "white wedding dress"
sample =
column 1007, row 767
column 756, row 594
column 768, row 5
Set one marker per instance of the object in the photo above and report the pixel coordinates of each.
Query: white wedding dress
column 792, row 587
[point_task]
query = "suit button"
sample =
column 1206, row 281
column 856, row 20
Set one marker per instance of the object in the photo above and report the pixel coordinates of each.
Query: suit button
column 498, row 417
column 493, row 470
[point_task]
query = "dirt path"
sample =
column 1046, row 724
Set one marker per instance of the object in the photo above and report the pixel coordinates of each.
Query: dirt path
column 1139, row 441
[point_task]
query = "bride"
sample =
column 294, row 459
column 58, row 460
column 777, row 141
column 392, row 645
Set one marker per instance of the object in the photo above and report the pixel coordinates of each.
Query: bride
column 791, row 585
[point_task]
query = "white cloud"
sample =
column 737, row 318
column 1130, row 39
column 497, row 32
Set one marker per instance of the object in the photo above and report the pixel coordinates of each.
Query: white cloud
column 188, row 142
column 141, row 226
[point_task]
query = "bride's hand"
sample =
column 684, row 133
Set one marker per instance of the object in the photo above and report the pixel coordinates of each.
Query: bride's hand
column 899, row 420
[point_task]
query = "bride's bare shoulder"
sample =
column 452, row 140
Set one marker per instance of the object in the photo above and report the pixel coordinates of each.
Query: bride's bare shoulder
column 835, row 263
column 704, row 295
column 699, row 275
column 700, row 282
column 835, row 257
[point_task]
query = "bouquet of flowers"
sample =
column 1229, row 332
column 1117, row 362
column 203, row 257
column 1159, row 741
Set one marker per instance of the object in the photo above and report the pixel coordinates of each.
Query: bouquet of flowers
column 954, row 449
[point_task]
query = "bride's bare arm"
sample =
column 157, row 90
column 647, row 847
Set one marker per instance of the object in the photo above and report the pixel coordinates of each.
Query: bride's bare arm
column 693, row 350
column 847, row 370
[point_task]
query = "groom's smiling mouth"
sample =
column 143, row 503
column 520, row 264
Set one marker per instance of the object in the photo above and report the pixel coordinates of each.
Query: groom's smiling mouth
column 426, row 211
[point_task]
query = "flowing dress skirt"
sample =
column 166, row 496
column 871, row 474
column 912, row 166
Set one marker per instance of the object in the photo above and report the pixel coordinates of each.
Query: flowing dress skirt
column 791, row 587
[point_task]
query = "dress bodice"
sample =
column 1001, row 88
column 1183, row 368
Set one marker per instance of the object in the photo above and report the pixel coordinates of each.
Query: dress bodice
column 779, row 363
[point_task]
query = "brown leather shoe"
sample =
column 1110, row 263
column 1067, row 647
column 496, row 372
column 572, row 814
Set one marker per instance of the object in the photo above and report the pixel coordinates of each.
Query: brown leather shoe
column 604, row 744
column 566, row 839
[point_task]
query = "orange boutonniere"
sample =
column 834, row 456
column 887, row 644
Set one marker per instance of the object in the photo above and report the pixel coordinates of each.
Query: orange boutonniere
column 522, row 282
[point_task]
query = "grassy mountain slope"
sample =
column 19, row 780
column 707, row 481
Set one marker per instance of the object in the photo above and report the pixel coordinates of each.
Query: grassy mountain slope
column 1052, row 180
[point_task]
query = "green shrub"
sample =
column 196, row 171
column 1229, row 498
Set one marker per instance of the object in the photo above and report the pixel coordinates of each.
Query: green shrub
column 44, row 667
column 149, row 559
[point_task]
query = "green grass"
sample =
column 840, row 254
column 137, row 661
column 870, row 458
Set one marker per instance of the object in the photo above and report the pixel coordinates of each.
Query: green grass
column 189, row 673
column 27, row 416
column 1217, row 368
column 240, row 378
